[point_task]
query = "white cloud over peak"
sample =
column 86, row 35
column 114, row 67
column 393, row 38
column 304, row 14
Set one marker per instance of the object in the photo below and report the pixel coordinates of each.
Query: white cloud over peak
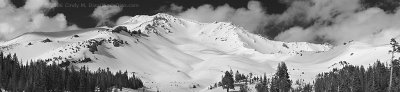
column 334, row 21
column 104, row 13
column 250, row 18
column 29, row 18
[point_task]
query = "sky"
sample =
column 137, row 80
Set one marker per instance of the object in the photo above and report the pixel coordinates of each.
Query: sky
column 316, row 21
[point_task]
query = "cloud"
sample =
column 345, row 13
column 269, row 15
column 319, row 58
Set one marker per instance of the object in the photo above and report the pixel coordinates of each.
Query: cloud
column 3, row 3
column 318, row 21
column 35, row 5
column 250, row 17
column 73, row 27
column 6, row 28
column 296, row 34
column 123, row 19
column 41, row 22
column 104, row 13
column 29, row 18
column 348, row 23
column 253, row 17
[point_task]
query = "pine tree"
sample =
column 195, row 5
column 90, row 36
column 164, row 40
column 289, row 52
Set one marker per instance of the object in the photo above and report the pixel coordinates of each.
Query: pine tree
column 281, row 81
column 395, row 48
column 238, row 77
column 260, row 87
column 1, row 69
column 396, row 76
column 227, row 81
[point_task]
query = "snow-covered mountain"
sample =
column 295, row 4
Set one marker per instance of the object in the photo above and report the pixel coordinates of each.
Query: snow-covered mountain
column 171, row 54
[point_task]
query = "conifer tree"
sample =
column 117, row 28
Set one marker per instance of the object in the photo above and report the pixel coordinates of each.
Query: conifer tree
column 281, row 81
column 227, row 81
column 395, row 48
column 238, row 77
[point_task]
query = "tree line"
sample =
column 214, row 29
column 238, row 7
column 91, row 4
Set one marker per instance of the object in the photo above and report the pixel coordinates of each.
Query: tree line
column 350, row 78
column 40, row 76
column 279, row 82
column 379, row 77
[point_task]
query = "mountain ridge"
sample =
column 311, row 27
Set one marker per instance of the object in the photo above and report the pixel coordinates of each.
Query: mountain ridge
column 169, row 49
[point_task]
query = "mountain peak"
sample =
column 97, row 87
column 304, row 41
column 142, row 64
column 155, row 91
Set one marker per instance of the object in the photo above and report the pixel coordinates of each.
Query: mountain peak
column 164, row 15
column 169, row 44
column 144, row 18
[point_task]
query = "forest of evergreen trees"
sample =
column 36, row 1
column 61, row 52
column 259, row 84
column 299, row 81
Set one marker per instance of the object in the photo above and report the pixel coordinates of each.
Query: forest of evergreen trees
column 280, row 82
column 379, row 77
column 39, row 76
column 352, row 78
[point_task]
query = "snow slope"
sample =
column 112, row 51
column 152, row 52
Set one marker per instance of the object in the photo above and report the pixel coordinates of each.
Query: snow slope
column 172, row 54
